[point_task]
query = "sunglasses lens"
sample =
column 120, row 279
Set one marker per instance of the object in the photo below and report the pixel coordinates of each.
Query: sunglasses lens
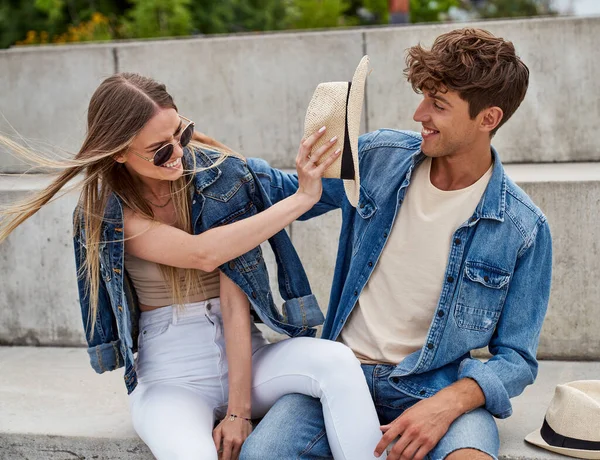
column 186, row 135
column 163, row 154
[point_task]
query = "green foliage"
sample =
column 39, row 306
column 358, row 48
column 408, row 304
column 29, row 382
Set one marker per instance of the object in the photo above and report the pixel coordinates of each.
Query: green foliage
column 45, row 21
column 61, row 21
column 16, row 18
column 430, row 10
column 53, row 8
column 379, row 8
column 259, row 15
column 514, row 8
column 313, row 14
column 158, row 18
column 229, row 16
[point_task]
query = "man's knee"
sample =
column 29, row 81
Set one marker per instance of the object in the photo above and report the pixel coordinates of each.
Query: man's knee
column 254, row 449
column 468, row 454
column 283, row 431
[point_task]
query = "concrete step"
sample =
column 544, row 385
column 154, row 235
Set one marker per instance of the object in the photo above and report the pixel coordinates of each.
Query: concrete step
column 54, row 407
column 38, row 294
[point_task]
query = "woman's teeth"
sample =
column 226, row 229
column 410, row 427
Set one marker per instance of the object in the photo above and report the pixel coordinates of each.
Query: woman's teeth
column 172, row 164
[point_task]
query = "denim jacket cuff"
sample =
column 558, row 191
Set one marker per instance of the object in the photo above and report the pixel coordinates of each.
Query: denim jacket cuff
column 497, row 401
column 106, row 356
column 303, row 311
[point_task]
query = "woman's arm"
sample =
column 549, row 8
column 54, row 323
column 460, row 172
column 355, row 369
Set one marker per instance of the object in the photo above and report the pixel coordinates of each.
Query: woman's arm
column 163, row 244
column 167, row 245
column 231, row 434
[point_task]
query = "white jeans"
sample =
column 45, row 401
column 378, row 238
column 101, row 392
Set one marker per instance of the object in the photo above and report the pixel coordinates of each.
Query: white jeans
column 183, row 386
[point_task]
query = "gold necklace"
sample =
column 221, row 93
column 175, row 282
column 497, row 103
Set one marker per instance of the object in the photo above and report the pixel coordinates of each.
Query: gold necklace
column 160, row 205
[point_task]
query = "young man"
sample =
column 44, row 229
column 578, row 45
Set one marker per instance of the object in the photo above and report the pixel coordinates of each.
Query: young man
column 444, row 254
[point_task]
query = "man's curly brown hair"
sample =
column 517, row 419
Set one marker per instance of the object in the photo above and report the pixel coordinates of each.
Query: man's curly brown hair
column 482, row 68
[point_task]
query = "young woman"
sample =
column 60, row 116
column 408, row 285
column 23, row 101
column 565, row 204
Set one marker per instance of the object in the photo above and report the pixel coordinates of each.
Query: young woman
column 172, row 230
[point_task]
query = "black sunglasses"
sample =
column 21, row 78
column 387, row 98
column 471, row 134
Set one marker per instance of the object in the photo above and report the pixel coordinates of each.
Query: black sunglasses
column 164, row 152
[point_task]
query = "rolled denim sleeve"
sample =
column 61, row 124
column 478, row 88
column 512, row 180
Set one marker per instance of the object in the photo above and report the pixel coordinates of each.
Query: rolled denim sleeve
column 514, row 344
column 106, row 356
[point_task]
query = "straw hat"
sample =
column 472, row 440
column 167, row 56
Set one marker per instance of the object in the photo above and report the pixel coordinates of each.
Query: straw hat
column 572, row 423
column 338, row 105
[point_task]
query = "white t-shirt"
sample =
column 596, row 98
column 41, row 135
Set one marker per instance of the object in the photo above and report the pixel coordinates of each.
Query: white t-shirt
column 393, row 314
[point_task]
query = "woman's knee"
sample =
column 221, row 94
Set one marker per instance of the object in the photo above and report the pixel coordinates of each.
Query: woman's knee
column 336, row 366
column 335, row 356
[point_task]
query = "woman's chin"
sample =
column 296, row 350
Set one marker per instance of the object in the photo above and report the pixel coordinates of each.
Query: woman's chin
column 170, row 173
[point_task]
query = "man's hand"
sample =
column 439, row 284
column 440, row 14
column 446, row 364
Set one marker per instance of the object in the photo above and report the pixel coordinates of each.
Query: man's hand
column 423, row 425
column 420, row 429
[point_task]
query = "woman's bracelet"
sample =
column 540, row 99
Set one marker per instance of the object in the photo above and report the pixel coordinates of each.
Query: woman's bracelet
column 232, row 417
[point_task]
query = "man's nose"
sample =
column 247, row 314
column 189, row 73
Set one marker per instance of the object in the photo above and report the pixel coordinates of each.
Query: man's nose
column 421, row 114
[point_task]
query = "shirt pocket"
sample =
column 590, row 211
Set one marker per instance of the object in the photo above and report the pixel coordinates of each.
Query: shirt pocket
column 481, row 296
column 227, row 186
column 228, row 200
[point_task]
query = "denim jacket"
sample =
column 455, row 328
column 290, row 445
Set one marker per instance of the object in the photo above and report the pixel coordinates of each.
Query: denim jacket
column 222, row 194
column 497, row 280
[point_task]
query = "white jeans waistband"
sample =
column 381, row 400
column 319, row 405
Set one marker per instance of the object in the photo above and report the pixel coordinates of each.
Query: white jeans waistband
column 173, row 314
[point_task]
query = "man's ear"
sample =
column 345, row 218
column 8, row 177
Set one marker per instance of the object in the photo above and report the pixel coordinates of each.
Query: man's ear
column 491, row 118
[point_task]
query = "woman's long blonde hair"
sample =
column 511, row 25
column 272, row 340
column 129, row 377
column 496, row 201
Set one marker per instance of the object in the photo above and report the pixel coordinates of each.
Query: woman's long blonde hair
column 118, row 110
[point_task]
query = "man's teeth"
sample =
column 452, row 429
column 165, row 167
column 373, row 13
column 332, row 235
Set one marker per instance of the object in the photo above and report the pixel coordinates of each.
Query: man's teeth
column 173, row 164
column 428, row 131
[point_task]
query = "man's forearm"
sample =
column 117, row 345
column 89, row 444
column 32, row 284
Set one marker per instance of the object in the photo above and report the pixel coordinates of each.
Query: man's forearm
column 462, row 396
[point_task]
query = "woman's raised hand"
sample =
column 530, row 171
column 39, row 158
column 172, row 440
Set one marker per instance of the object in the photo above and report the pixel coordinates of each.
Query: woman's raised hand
column 309, row 173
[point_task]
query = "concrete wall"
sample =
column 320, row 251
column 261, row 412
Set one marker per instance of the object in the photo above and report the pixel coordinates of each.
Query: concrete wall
column 252, row 92
column 38, row 290
column 44, row 95
column 38, row 295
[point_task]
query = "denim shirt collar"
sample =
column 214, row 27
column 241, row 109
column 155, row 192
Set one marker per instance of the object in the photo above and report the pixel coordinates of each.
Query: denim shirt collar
column 493, row 202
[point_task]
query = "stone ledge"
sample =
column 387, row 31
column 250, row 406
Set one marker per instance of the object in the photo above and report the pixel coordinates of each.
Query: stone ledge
column 54, row 407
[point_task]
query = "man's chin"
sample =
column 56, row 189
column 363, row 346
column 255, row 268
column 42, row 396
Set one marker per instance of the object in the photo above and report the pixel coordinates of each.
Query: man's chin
column 429, row 153
column 427, row 150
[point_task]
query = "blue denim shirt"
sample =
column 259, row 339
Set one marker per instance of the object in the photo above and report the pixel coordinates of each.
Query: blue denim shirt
column 222, row 194
column 497, row 281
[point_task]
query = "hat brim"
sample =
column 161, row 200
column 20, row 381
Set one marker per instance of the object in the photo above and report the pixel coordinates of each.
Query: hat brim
column 536, row 439
column 355, row 104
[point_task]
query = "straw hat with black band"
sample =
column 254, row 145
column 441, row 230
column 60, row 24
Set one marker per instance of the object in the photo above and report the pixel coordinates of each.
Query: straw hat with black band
column 338, row 106
column 572, row 422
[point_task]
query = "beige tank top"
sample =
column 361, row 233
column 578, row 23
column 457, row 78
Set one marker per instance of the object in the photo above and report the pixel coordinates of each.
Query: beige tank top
column 152, row 290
